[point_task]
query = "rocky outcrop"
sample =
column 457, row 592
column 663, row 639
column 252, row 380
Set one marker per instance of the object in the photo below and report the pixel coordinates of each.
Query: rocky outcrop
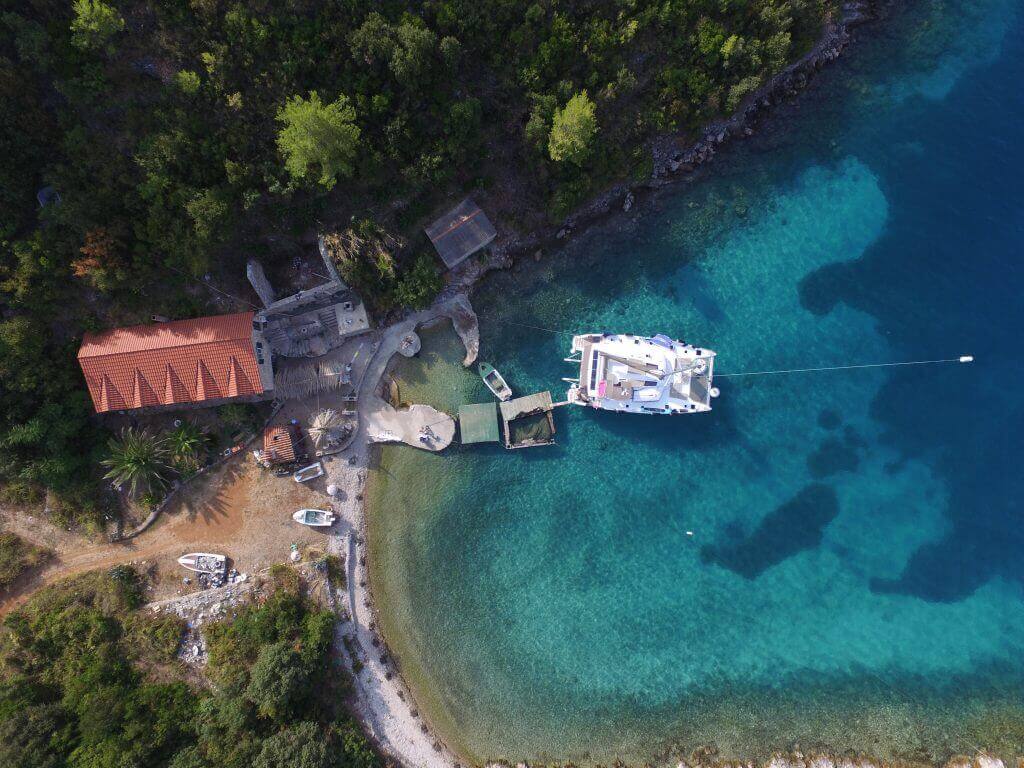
column 466, row 325
column 785, row 85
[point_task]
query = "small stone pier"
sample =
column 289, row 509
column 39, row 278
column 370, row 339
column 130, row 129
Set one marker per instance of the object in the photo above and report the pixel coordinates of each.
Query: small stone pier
column 420, row 426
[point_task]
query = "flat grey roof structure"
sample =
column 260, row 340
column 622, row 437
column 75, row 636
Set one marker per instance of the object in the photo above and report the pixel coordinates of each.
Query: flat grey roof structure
column 460, row 233
column 311, row 322
column 478, row 423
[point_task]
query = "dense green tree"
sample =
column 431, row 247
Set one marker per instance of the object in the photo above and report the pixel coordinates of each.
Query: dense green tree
column 137, row 459
column 189, row 757
column 407, row 48
column 34, row 737
column 300, row 746
column 572, row 130
column 278, row 682
column 95, row 25
column 318, row 140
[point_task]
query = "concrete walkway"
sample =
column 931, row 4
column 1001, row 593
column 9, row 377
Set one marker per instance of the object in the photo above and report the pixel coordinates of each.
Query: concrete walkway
column 418, row 425
column 379, row 422
column 383, row 702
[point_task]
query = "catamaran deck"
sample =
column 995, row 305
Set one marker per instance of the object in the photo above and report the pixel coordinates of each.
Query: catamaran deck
column 642, row 375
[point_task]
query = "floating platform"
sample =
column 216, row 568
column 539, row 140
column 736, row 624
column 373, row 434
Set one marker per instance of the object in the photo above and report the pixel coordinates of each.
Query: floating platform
column 478, row 423
column 528, row 421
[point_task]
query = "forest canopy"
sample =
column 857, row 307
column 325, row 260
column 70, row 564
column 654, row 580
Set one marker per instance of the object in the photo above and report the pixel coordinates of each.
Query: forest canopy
column 88, row 680
column 150, row 148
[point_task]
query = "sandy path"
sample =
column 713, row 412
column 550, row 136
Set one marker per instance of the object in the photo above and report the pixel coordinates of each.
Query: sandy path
column 239, row 510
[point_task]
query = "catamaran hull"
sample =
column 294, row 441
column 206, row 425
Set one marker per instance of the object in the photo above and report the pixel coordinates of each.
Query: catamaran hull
column 652, row 375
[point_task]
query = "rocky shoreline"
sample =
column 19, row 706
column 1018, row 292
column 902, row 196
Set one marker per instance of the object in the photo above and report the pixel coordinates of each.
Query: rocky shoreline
column 673, row 163
column 706, row 759
column 815, row 760
column 397, row 723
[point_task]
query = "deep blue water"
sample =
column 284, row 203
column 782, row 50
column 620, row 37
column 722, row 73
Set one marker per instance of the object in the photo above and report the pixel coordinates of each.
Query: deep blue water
column 853, row 576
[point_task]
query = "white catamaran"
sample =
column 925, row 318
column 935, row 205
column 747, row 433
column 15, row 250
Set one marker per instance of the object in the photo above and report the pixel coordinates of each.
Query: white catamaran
column 641, row 374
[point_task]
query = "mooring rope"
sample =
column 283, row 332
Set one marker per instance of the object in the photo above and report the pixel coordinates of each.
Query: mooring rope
column 961, row 359
column 524, row 325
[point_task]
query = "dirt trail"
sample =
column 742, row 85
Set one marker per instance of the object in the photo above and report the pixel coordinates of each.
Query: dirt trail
column 238, row 510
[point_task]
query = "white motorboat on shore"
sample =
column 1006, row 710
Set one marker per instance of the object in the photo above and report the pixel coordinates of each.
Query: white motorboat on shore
column 641, row 374
column 315, row 518
column 204, row 562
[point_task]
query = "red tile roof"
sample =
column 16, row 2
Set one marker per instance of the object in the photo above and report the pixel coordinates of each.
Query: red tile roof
column 186, row 361
column 279, row 445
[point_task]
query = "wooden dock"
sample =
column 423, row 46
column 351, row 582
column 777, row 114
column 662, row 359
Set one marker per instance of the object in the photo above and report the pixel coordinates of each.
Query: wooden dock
column 530, row 416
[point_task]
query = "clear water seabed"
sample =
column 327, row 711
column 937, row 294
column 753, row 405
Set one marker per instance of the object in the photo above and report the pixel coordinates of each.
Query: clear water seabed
column 853, row 579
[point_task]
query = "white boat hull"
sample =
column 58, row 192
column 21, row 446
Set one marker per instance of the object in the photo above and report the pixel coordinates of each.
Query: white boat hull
column 204, row 562
column 320, row 518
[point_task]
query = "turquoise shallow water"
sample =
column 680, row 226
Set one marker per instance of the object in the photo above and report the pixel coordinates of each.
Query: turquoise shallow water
column 852, row 579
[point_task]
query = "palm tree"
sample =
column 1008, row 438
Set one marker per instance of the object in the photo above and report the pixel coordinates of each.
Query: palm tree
column 187, row 445
column 138, row 459
column 322, row 424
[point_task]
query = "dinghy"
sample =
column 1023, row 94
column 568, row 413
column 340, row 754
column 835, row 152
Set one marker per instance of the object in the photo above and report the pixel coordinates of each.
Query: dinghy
column 315, row 518
column 204, row 562
column 311, row 472
column 494, row 381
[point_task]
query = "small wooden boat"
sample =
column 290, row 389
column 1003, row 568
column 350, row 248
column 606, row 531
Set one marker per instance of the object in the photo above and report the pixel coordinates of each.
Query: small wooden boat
column 494, row 381
column 311, row 472
column 315, row 518
column 204, row 562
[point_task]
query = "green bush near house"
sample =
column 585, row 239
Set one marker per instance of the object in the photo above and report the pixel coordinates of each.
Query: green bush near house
column 138, row 460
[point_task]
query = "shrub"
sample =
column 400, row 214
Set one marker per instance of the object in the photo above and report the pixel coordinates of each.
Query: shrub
column 239, row 418
column 418, row 285
column 301, row 746
column 278, row 682
column 18, row 556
